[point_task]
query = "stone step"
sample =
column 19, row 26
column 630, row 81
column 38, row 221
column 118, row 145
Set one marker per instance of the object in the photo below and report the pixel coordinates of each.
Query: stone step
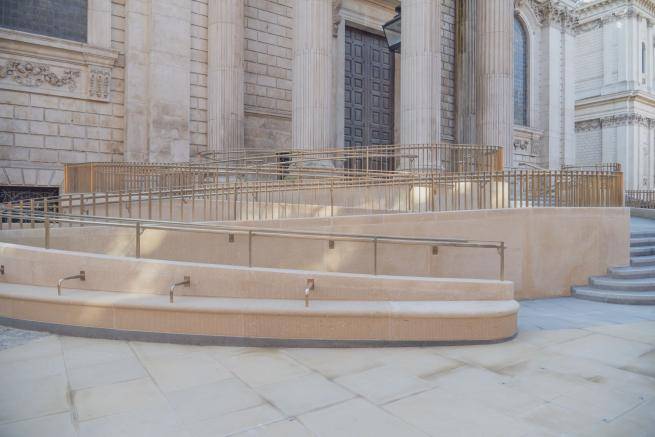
column 640, row 242
column 608, row 283
column 642, row 234
column 631, row 272
column 258, row 321
column 625, row 297
column 640, row 261
column 642, row 251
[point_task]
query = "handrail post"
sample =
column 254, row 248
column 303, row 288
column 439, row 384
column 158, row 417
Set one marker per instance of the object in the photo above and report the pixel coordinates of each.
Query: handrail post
column 137, row 248
column 46, row 227
column 249, row 248
column 375, row 256
column 501, row 252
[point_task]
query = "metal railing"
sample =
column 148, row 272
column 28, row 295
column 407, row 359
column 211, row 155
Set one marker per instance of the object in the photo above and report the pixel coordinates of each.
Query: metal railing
column 605, row 167
column 48, row 220
column 640, row 199
column 243, row 199
column 216, row 167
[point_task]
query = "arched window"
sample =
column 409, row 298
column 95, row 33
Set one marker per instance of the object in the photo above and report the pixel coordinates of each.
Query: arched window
column 520, row 73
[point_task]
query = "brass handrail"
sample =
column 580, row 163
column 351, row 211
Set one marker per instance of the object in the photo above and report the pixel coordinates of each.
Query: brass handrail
column 141, row 226
column 186, row 283
column 308, row 288
column 81, row 277
column 640, row 199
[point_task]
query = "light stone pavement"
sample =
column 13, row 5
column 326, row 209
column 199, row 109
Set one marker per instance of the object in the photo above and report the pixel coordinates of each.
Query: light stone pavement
column 576, row 368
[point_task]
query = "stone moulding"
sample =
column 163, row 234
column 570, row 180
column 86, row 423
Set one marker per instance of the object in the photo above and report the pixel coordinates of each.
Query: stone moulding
column 35, row 75
column 87, row 82
column 52, row 66
column 614, row 121
column 99, row 81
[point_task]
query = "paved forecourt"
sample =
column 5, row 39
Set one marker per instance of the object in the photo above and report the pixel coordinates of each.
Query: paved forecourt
column 576, row 368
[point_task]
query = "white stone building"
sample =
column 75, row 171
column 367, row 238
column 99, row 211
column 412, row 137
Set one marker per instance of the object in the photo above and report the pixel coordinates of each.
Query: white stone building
column 166, row 80
column 615, row 87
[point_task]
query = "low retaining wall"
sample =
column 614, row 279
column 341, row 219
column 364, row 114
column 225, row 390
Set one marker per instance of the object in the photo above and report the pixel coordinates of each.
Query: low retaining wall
column 40, row 267
column 548, row 249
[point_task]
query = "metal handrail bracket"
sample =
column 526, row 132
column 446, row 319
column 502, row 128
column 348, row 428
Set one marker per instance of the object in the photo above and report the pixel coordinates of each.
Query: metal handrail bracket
column 186, row 283
column 81, row 277
column 310, row 287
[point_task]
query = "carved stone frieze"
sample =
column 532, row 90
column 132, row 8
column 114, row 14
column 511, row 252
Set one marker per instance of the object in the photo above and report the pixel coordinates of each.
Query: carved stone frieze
column 88, row 82
column 99, row 82
column 31, row 74
column 587, row 125
column 521, row 144
column 614, row 121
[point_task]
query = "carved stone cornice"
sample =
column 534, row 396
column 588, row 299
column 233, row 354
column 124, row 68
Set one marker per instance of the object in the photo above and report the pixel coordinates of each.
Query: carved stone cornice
column 614, row 121
column 551, row 12
column 595, row 15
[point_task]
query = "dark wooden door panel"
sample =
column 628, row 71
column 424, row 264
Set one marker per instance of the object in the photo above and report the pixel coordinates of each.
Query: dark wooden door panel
column 369, row 90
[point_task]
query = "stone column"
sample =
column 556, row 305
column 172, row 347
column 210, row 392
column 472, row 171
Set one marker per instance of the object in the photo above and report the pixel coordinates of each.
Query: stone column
column 157, row 80
column 312, row 124
column 466, row 72
column 225, row 75
column 494, row 78
column 420, row 83
column 569, row 96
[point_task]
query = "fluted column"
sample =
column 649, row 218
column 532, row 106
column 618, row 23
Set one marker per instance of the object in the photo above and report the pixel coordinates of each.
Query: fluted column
column 466, row 30
column 420, row 84
column 312, row 123
column 494, row 78
column 225, row 75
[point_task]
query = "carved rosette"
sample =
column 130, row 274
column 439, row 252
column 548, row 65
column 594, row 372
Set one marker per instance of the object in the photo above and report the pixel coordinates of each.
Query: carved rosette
column 33, row 75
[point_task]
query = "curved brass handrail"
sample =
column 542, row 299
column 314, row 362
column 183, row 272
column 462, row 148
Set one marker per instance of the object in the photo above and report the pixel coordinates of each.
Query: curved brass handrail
column 81, row 277
column 141, row 226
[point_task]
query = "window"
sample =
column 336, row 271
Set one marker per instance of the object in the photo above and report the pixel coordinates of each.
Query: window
column 66, row 19
column 643, row 58
column 520, row 73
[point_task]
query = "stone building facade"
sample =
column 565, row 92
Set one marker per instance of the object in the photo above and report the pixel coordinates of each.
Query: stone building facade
column 168, row 80
column 615, row 87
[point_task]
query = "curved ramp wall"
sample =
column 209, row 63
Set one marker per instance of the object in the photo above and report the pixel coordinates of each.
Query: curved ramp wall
column 123, row 297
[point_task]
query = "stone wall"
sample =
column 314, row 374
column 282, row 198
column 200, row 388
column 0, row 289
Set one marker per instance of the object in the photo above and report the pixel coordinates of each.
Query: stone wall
column 588, row 144
column 268, row 47
column 45, row 123
column 43, row 127
column 589, row 67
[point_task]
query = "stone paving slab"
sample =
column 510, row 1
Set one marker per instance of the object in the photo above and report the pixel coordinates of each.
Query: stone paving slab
column 576, row 368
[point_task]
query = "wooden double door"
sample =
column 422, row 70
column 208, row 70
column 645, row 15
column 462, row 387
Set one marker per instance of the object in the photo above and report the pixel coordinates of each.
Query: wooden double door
column 369, row 90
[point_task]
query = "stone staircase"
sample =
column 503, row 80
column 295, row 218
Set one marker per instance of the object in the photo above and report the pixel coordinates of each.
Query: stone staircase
column 632, row 285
